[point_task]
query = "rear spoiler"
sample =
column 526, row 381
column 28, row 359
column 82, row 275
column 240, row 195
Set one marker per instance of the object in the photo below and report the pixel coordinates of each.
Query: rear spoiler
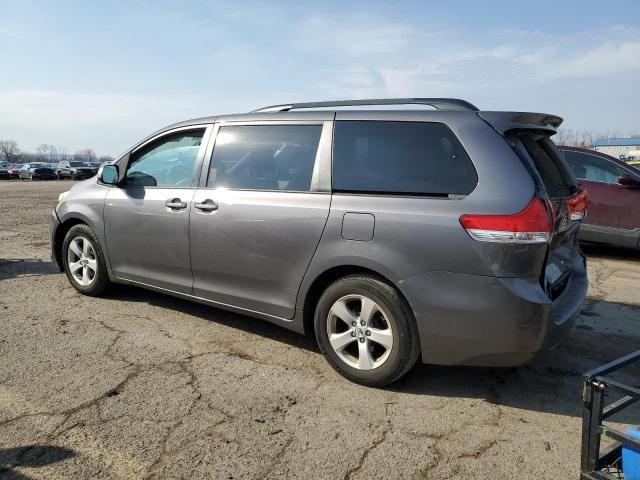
column 502, row 122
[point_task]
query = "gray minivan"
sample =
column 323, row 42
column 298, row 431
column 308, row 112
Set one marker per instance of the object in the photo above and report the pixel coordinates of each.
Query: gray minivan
column 446, row 233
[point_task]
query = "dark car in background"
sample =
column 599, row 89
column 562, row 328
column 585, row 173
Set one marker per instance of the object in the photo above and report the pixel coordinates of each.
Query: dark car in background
column 613, row 187
column 4, row 170
column 37, row 171
column 75, row 170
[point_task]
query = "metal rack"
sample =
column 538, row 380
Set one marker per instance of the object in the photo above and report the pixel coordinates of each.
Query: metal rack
column 437, row 103
column 594, row 464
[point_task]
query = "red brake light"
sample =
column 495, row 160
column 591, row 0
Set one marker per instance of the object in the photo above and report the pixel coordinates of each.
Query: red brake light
column 534, row 224
column 577, row 205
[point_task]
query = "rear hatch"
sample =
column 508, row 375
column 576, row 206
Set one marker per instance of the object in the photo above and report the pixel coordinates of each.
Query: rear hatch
column 530, row 137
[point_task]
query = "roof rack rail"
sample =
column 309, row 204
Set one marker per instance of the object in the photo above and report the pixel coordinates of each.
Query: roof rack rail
column 437, row 103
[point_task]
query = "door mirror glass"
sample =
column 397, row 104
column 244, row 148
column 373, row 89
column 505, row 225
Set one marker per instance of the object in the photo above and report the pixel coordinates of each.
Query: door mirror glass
column 109, row 174
column 628, row 180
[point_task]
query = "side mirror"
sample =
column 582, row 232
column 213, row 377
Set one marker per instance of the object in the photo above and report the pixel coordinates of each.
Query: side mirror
column 628, row 180
column 109, row 175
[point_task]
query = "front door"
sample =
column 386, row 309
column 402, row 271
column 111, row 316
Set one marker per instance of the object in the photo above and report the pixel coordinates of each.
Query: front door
column 147, row 218
column 256, row 222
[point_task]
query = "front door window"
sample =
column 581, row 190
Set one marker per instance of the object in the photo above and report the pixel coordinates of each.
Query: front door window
column 168, row 162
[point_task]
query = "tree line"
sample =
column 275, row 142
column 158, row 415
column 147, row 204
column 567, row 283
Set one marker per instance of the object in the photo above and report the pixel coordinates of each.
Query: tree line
column 583, row 138
column 10, row 152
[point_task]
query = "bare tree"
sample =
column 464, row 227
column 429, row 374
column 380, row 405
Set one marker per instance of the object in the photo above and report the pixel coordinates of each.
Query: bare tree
column 9, row 150
column 86, row 155
column 105, row 158
column 52, row 154
column 62, row 152
column 586, row 139
column 579, row 138
column 42, row 150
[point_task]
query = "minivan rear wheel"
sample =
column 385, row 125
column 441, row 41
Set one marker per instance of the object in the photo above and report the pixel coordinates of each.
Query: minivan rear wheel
column 84, row 262
column 366, row 330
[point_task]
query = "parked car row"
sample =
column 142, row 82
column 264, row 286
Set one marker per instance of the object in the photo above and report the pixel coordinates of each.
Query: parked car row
column 74, row 170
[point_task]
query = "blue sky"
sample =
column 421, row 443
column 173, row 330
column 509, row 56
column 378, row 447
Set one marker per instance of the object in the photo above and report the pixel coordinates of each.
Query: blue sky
column 104, row 74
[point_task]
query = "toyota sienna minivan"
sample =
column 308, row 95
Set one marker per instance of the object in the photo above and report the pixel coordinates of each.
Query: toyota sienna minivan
column 448, row 233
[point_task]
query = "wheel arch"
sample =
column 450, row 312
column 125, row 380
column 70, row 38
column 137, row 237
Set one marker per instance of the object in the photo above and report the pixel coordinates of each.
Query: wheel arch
column 59, row 235
column 326, row 278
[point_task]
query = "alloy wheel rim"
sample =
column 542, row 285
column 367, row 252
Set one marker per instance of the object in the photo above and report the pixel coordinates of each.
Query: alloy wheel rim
column 82, row 261
column 359, row 332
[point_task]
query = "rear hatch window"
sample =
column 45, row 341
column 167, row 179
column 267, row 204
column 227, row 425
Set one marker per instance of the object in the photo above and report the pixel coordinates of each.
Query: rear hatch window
column 556, row 182
column 555, row 173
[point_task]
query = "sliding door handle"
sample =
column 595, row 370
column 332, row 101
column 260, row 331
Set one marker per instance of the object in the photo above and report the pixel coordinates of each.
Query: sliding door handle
column 207, row 205
column 175, row 204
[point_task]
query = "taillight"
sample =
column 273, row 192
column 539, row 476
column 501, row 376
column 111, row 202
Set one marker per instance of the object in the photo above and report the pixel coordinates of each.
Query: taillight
column 534, row 224
column 577, row 205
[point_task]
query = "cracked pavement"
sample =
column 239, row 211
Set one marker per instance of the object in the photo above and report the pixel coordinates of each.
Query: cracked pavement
column 140, row 385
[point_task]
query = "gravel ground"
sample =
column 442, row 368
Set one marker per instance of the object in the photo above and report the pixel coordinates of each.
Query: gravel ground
column 140, row 385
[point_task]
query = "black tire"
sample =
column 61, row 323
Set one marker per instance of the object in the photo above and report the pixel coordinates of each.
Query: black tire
column 73, row 176
column 60, row 177
column 100, row 283
column 405, row 348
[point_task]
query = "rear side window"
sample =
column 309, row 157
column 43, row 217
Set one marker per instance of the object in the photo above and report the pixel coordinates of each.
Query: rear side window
column 593, row 168
column 265, row 157
column 400, row 157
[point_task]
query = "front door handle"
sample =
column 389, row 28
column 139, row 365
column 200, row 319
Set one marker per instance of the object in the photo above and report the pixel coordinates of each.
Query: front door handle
column 175, row 204
column 207, row 205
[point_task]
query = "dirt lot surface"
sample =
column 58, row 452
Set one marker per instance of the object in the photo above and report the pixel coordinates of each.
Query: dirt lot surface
column 142, row 385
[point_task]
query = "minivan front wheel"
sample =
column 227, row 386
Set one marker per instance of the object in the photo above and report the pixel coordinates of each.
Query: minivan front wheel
column 366, row 330
column 84, row 262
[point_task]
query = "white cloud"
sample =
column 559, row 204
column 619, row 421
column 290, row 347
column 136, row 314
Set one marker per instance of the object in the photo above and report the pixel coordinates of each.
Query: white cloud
column 353, row 36
column 599, row 61
column 507, row 69
column 589, row 77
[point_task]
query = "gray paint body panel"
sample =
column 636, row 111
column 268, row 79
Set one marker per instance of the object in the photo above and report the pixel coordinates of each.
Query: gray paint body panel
column 147, row 241
column 253, row 251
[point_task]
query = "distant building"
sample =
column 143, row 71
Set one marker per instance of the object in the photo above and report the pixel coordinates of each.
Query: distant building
column 616, row 147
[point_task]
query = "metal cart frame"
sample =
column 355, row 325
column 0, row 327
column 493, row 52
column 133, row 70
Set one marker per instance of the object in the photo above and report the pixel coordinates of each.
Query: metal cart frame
column 595, row 412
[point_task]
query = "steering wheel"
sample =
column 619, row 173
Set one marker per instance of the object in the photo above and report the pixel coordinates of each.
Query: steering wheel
column 178, row 175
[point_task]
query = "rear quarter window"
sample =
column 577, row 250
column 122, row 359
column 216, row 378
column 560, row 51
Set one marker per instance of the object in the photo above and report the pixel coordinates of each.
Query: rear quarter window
column 400, row 158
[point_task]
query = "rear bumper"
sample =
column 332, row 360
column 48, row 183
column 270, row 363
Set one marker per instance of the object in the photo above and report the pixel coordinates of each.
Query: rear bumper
column 490, row 321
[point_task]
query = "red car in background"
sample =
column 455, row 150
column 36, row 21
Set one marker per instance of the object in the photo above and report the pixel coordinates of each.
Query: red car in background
column 613, row 191
column 14, row 171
